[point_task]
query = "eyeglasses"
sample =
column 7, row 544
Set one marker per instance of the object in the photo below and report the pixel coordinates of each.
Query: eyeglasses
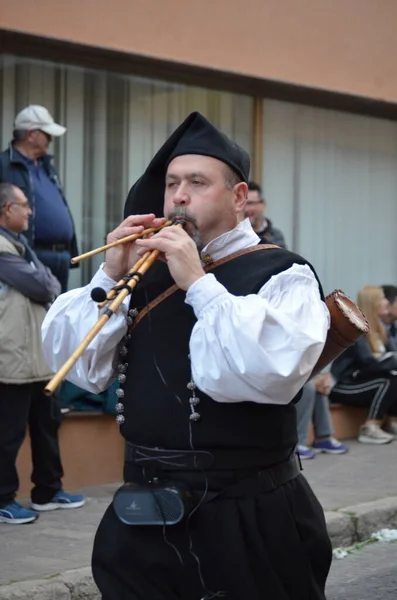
column 48, row 136
column 21, row 204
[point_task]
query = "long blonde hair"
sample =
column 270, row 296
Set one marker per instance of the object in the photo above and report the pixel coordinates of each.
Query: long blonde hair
column 369, row 299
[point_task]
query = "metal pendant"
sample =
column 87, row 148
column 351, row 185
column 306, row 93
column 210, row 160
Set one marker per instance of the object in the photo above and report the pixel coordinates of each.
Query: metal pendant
column 195, row 416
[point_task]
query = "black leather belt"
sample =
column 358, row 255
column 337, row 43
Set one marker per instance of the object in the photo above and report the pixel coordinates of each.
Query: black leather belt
column 53, row 247
column 250, row 482
column 189, row 460
column 265, row 481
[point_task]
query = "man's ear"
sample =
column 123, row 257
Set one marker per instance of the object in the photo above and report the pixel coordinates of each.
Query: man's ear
column 240, row 191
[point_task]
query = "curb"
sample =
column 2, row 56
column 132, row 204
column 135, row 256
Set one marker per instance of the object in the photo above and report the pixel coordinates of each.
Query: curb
column 346, row 526
column 368, row 517
column 352, row 524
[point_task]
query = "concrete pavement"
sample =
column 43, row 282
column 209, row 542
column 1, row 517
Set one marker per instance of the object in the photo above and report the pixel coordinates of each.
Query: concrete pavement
column 358, row 492
column 364, row 474
column 369, row 574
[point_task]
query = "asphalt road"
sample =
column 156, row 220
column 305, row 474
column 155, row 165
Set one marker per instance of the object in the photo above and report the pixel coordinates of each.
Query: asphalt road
column 368, row 574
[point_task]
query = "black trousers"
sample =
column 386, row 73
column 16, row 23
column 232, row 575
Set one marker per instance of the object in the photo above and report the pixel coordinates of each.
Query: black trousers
column 21, row 406
column 379, row 394
column 272, row 545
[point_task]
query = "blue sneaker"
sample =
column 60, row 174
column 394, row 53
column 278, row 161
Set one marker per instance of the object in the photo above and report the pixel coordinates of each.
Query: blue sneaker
column 61, row 500
column 330, row 446
column 305, row 453
column 15, row 514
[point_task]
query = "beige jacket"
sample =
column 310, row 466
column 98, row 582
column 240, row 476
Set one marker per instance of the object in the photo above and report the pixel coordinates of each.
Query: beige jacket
column 21, row 356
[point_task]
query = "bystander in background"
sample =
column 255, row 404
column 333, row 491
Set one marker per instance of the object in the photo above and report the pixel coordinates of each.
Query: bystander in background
column 27, row 288
column 390, row 318
column 366, row 373
column 313, row 408
column 27, row 164
column 255, row 209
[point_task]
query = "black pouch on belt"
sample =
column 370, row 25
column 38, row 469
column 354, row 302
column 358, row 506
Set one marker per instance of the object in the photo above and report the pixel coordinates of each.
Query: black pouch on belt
column 156, row 503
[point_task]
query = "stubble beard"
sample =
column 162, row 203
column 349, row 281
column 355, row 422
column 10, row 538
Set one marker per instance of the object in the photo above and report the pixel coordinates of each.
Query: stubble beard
column 193, row 232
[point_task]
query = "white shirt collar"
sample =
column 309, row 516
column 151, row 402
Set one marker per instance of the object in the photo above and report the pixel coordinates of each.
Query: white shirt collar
column 239, row 238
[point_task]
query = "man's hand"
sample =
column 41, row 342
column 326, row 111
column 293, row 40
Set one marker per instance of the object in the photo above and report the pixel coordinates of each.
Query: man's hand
column 322, row 383
column 123, row 257
column 180, row 253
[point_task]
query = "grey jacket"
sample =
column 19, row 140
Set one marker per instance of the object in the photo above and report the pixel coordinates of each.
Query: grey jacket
column 271, row 235
column 26, row 289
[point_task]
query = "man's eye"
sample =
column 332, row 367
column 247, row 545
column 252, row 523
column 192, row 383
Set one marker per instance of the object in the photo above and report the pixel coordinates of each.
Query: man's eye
column 196, row 182
column 171, row 184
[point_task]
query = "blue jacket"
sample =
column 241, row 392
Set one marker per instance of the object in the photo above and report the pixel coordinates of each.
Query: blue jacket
column 13, row 170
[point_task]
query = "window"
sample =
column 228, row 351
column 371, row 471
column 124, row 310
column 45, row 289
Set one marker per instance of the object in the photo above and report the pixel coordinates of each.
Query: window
column 115, row 124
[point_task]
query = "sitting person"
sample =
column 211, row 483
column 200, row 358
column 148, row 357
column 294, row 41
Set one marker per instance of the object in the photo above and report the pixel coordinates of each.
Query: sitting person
column 366, row 373
column 314, row 407
column 390, row 292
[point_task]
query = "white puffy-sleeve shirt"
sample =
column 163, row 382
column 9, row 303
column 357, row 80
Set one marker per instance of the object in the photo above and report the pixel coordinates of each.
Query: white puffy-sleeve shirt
column 258, row 348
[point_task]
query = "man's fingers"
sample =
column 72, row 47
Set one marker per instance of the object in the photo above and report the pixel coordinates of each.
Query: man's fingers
column 122, row 232
column 170, row 232
column 154, row 243
column 135, row 224
column 132, row 220
column 146, row 221
column 142, row 251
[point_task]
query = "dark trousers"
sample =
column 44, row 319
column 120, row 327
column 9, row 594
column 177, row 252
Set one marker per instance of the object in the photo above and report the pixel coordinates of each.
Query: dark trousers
column 58, row 262
column 379, row 394
column 21, row 406
column 268, row 546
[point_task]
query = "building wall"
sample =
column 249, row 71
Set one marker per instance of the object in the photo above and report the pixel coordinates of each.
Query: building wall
column 339, row 45
column 330, row 181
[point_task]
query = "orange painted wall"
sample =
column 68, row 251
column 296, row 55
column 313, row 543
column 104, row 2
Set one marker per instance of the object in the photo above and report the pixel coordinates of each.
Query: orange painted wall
column 339, row 45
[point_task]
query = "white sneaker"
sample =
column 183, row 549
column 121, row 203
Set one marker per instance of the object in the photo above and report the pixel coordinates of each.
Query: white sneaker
column 391, row 427
column 373, row 434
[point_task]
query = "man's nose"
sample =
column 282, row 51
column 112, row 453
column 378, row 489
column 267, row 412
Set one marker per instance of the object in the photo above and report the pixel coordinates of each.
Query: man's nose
column 181, row 196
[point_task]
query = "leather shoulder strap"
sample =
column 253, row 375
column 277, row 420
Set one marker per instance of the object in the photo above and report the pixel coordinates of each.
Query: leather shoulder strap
column 174, row 288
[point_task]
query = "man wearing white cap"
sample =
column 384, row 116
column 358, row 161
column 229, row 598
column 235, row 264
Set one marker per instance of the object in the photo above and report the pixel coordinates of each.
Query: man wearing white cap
column 27, row 165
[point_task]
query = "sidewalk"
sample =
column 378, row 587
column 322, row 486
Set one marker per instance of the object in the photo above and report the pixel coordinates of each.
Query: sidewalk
column 358, row 492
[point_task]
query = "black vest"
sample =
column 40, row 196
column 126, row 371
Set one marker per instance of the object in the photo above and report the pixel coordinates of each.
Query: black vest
column 156, row 400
